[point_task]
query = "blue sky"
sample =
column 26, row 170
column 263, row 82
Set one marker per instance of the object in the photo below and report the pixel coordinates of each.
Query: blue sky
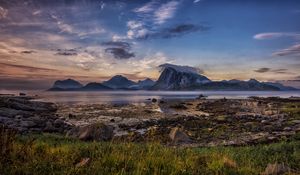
column 89, row 40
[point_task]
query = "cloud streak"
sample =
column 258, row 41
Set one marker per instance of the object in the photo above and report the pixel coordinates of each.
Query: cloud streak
column 293, row 50
column 264, row 36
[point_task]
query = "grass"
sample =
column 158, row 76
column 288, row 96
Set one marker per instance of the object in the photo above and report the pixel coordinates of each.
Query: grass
column 53, row 154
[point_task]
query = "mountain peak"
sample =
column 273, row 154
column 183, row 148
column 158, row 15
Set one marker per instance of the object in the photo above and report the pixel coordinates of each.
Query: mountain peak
column 119, row 82
column 178, row 68
column 174, row 77
column 67, row 84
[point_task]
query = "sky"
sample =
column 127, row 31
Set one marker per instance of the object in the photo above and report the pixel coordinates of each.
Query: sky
column 91, row 40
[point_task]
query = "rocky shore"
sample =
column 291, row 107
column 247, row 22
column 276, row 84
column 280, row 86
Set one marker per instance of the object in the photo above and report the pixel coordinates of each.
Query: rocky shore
column 199, row 122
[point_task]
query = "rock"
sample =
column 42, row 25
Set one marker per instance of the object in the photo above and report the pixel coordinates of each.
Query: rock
column 58, row 123
column 22, row 94
column 27, row 124
column 49, row 127
column 96, row 131
column 154, row 100
column 18, row 117
column 276, row 169
column 178, row 136
column 296, row 121
column 83, row 162
column 179, row 106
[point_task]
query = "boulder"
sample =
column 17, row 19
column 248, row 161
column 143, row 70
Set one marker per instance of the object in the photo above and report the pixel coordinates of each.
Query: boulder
column 276, row 169
column 178, row 136
column 96, row 131
column 28, row 124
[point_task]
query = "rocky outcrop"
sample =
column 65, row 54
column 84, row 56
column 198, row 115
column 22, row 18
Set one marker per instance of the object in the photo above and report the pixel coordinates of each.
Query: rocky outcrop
column 24, row 115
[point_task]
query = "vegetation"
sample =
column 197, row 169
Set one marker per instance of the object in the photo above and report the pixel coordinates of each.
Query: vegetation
column 53, row 154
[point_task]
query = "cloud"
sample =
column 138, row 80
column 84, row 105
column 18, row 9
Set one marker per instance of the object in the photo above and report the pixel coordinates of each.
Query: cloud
column 120, row 53
column 27, row 51
column 66, row 52
column 196, row 1
column 172, row 32
column 262, row 70
column 3, row 12
column 147, row 8
column 165, row 12
column 82, row 33
column 293, row 50
column 263, row 36
column 26, row 68
column 269, row 70
column 121, row 44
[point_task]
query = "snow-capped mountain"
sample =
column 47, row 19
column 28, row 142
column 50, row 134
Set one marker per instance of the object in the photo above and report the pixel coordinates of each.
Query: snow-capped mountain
column 174, row 77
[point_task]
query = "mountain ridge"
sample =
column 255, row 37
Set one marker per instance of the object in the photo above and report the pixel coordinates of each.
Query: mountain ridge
column 172, row 77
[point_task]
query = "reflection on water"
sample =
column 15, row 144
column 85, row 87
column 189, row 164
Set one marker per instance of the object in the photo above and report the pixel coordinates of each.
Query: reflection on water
column 142, row 96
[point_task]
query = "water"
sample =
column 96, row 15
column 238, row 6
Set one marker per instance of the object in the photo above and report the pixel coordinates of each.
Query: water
column 119, row 97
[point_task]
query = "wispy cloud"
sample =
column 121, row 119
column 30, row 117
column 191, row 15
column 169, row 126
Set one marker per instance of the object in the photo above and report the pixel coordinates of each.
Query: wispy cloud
column 67, row 28
column 293, row 50
column 263, row 36
column 165, row 12
column 147, row 8
column 3, row 12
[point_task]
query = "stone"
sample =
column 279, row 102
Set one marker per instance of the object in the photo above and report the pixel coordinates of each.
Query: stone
column 58, row 123
column 83, row 162
column 154, row 100
column 276, row 169
column 178, row 136
column 96, row 131
column 27, row 124
column 49, row 127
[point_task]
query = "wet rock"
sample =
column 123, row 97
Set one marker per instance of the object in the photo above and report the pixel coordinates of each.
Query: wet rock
column 154, row 100
column 179, row 106
column 178, row 136
column 49, row 127
column 58, row 123
column 28, row 124
column 97, row 132
column 22, row 94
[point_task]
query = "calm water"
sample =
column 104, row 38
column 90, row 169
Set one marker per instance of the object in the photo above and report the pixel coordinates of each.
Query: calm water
column 142, row 96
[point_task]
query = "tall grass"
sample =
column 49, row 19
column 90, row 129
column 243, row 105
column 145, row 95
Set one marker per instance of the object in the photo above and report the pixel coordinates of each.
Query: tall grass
column 52, row 154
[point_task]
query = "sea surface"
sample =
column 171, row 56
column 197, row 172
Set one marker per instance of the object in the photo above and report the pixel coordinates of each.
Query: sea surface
column 123, row 97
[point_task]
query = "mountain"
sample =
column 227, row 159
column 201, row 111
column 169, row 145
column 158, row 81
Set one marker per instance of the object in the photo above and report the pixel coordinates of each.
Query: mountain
column 174, row 77
column 143, row 84
column 280, row 86
column 68, row 84
column 94, row 87
column 237, row 85
column 119, row 82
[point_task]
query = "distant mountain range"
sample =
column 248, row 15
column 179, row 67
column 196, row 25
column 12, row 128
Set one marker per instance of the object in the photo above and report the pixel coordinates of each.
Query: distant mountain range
column 172, row 77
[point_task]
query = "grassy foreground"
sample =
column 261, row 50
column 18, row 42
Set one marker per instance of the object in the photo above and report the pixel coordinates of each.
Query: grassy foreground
column 52, row 154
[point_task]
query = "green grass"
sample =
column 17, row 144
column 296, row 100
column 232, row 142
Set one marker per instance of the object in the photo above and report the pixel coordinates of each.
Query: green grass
column 52, row 154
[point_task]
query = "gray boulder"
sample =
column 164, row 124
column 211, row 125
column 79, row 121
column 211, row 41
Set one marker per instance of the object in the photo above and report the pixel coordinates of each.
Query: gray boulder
column 96, row 132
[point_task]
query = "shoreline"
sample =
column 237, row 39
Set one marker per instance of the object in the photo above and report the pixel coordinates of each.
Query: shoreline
column 198, row 122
